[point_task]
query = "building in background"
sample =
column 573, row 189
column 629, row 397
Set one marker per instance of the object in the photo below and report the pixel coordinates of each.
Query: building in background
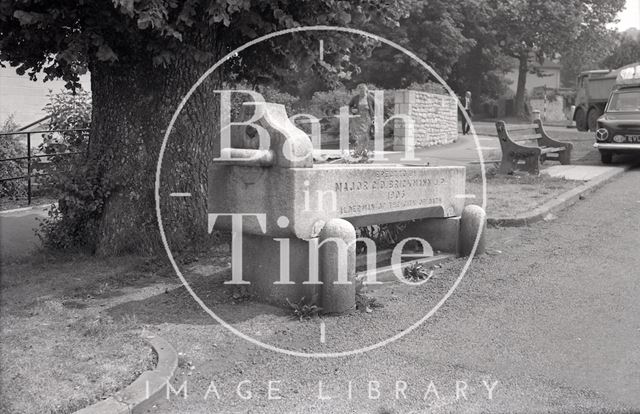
column 542, row 76
column 549, row 76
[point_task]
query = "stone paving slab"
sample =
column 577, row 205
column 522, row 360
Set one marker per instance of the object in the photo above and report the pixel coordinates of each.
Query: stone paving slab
column 579, row 172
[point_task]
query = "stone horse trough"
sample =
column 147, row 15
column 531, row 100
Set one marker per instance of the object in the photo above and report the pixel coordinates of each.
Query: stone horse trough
column 293, row 223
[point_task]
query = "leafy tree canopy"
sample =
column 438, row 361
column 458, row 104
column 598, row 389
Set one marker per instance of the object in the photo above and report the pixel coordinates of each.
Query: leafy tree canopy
column 534, row 29
column 626, row 52
column 433, row 31
column 65, row 38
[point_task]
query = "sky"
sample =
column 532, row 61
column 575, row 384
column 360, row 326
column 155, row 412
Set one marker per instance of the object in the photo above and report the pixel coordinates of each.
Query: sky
column 630, row 16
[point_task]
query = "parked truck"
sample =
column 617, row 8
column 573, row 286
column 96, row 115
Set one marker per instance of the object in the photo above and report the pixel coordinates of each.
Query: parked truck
column 593, row 90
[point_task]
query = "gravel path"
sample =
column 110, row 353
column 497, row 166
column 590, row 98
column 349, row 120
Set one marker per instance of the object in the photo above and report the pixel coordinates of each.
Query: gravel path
column 552, row 314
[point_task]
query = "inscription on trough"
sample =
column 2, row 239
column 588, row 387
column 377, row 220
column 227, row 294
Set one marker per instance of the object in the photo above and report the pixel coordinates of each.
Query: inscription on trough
column 362, row 194
column 381, row 194
column 387, row 190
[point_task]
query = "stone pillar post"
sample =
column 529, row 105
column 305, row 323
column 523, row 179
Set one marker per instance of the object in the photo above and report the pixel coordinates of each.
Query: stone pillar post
column 338, row 255
column 473, row 220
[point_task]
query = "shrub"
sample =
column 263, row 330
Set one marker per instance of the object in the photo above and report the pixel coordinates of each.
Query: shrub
column 12, row 146
column 68, row 112
column 417, row 272
column 274, row 95
column 269, row 93
column 73, row 222
column 301, row 310
column 324, row 103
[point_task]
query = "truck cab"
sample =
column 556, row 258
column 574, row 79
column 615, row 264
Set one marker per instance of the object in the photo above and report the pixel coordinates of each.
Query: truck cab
column 593, row 89
column 619, row 127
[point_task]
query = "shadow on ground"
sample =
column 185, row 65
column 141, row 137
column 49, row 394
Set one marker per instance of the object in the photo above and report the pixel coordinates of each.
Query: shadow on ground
column 232, row 305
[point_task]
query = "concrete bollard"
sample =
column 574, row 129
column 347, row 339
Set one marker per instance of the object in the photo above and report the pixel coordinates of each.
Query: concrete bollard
column 337, row 239
column 473, row 219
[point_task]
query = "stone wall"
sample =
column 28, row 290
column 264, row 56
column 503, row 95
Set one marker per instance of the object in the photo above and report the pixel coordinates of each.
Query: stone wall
column 435, row 119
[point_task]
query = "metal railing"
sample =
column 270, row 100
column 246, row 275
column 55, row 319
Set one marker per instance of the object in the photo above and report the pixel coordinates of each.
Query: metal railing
column 29, row 157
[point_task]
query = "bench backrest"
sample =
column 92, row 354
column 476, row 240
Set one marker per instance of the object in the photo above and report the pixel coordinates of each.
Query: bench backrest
column 521, row 133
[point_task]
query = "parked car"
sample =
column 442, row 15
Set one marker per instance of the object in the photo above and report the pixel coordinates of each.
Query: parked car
column 619, row 127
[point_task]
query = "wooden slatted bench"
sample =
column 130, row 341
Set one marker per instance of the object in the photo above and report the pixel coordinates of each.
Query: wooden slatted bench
column 516, row 156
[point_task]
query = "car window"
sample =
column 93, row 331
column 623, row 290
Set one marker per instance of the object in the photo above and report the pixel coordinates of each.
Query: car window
column 625, row 102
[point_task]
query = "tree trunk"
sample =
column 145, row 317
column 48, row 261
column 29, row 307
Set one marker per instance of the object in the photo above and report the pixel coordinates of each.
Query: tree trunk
column 523, row 69
column 132, row 107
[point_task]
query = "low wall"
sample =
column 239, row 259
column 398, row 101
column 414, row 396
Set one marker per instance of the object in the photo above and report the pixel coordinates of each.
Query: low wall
column 435, row 118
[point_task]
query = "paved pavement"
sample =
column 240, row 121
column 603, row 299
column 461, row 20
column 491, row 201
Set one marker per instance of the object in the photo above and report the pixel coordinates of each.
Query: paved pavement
column 17, row 237
column 579, row 172
column 552, row 314
column 462, row 152
column 466, row 150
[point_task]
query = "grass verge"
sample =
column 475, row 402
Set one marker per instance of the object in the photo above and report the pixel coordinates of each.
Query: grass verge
column 510, row 195
column 61, row 351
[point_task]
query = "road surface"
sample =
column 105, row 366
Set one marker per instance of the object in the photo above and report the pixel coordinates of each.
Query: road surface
column 17, row 232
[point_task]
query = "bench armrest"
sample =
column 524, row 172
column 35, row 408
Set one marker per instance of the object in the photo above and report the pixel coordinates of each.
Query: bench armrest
column 546, row 141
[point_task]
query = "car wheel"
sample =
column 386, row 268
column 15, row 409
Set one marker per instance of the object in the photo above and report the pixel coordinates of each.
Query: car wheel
column 606, row 157
column 581, row 120
column 592, row 119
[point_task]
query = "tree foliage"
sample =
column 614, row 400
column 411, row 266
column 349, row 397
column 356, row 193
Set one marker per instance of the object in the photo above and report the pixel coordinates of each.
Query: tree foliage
column 73, row 222
column 626, row 52
column 433, row 31
column 482, row 68
column 532, row 30
column 65, row 38
column 586, row 53
column 12, row 146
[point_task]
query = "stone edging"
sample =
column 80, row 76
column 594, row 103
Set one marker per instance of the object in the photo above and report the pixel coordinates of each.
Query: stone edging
column 561, row 202
column 146, row 389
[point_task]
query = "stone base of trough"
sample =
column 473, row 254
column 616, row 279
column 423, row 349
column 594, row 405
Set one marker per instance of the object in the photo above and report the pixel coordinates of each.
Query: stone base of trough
column 442, row 234
column 262, row 258
column 267, row 259
column 144, row 391
column 452, row 235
